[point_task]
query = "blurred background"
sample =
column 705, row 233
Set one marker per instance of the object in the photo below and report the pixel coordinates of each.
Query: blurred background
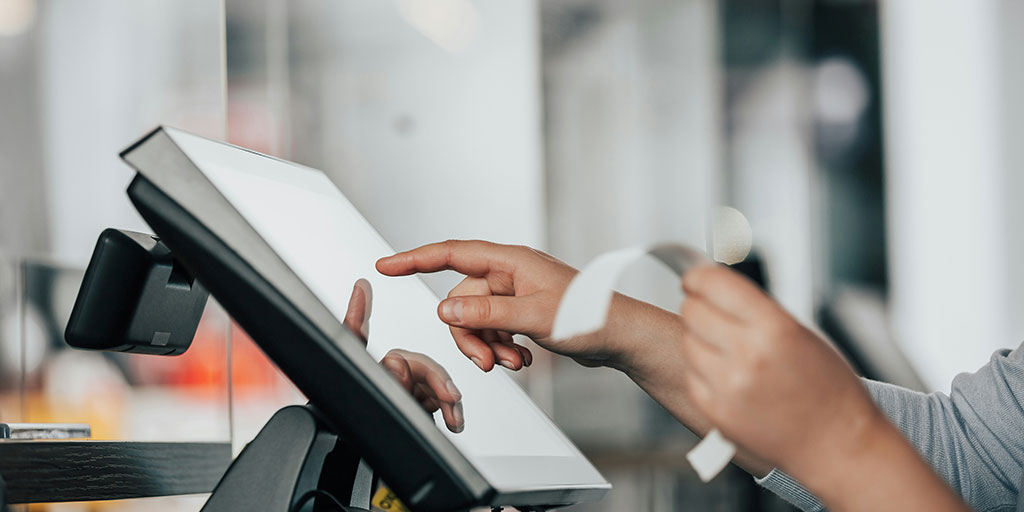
column 867, row 147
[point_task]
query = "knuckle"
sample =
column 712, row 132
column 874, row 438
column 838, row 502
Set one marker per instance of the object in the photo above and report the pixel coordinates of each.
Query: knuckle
column 535, row 317
column 758, row 357
column 701, row 399
column 778, row 329
column 397, row 355
column 716, row 409
column 705, row 400
column 457, row 290
column 468, row 286
column 761, row 338
column 476, row 244
column 691, row 279
column 738, row 381
column 449, row 246
column 479, row 310
column 716, row 273
column 759, row 364
column 529, row 254
column 700, row 276
column 687, row 308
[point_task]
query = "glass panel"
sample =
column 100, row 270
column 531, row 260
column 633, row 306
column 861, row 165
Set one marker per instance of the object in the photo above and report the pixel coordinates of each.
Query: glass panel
column 11, row 346
column 80, row 81
column 121, row 396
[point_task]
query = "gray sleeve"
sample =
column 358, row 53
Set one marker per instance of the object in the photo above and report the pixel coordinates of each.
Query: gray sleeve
column 973, row 438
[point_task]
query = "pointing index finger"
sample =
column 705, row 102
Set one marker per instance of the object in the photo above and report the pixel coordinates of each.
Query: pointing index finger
column 469, row 257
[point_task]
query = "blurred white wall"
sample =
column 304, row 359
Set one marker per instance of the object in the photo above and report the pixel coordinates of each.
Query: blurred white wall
column 79, row 81
column 633, row 127
column 633, row 133
column 436, row 129
column 1012, row 124
column 952, row 222
column 774, row 180
column 23, row 211
column 426, row 114
column 110, row 71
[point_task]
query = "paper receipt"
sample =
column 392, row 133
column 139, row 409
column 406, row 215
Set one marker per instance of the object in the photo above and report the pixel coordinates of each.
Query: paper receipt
column 584, row 309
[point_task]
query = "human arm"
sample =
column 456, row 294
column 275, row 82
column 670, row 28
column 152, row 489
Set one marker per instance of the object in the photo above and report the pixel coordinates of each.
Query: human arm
column 971, row 437
column 514, row 289
column 785, row 395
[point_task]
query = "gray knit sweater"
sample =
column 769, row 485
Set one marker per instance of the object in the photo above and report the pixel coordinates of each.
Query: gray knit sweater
column 974, row 437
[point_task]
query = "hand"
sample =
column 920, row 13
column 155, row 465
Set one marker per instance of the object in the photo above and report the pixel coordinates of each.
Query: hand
column 507, row 290
column 429, row 384
column 421, row 376
column 786, row 396
column 770, row 384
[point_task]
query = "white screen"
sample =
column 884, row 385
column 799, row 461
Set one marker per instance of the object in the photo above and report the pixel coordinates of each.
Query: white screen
column 317, row 232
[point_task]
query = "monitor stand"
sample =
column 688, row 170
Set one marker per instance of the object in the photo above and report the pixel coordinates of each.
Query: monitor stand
column 296, row 463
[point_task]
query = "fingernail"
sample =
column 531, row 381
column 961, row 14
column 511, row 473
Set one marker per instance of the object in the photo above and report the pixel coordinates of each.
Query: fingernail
column 452, row 310
column 450, row 386
column 478, row 362
column 460, row 418
column 507, row 364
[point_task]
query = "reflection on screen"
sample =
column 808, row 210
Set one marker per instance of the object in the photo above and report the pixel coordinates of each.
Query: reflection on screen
column 320, row 235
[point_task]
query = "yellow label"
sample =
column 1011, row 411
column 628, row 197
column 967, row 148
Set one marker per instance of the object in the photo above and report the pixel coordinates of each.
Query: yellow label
column 386, row 500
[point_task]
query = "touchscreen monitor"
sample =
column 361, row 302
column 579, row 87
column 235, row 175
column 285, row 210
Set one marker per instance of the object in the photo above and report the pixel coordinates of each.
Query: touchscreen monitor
column 293, row 225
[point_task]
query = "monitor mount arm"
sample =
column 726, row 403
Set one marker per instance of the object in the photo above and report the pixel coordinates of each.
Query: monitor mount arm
column 296, row 463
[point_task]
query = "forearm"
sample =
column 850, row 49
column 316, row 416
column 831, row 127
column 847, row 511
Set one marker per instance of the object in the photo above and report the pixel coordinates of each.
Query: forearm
column 872, row 467
column 963, row 436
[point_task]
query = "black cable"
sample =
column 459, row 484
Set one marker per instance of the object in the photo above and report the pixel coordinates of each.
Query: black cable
column 324, row 494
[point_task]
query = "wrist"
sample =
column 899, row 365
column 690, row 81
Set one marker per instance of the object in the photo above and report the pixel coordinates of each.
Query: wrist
column 883, row 469
column 638, row 338
column 864, row 447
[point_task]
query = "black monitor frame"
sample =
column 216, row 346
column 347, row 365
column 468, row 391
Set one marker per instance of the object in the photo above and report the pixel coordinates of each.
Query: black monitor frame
column 371, row 411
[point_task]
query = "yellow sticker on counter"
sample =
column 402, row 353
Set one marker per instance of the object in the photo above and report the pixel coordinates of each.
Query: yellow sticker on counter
column 386, row 500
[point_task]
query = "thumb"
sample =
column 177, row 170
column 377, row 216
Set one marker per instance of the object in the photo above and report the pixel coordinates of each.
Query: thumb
column 504, row 313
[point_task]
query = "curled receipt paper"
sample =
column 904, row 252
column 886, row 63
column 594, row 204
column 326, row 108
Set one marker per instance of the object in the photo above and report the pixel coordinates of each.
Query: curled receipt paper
column 584, row 309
